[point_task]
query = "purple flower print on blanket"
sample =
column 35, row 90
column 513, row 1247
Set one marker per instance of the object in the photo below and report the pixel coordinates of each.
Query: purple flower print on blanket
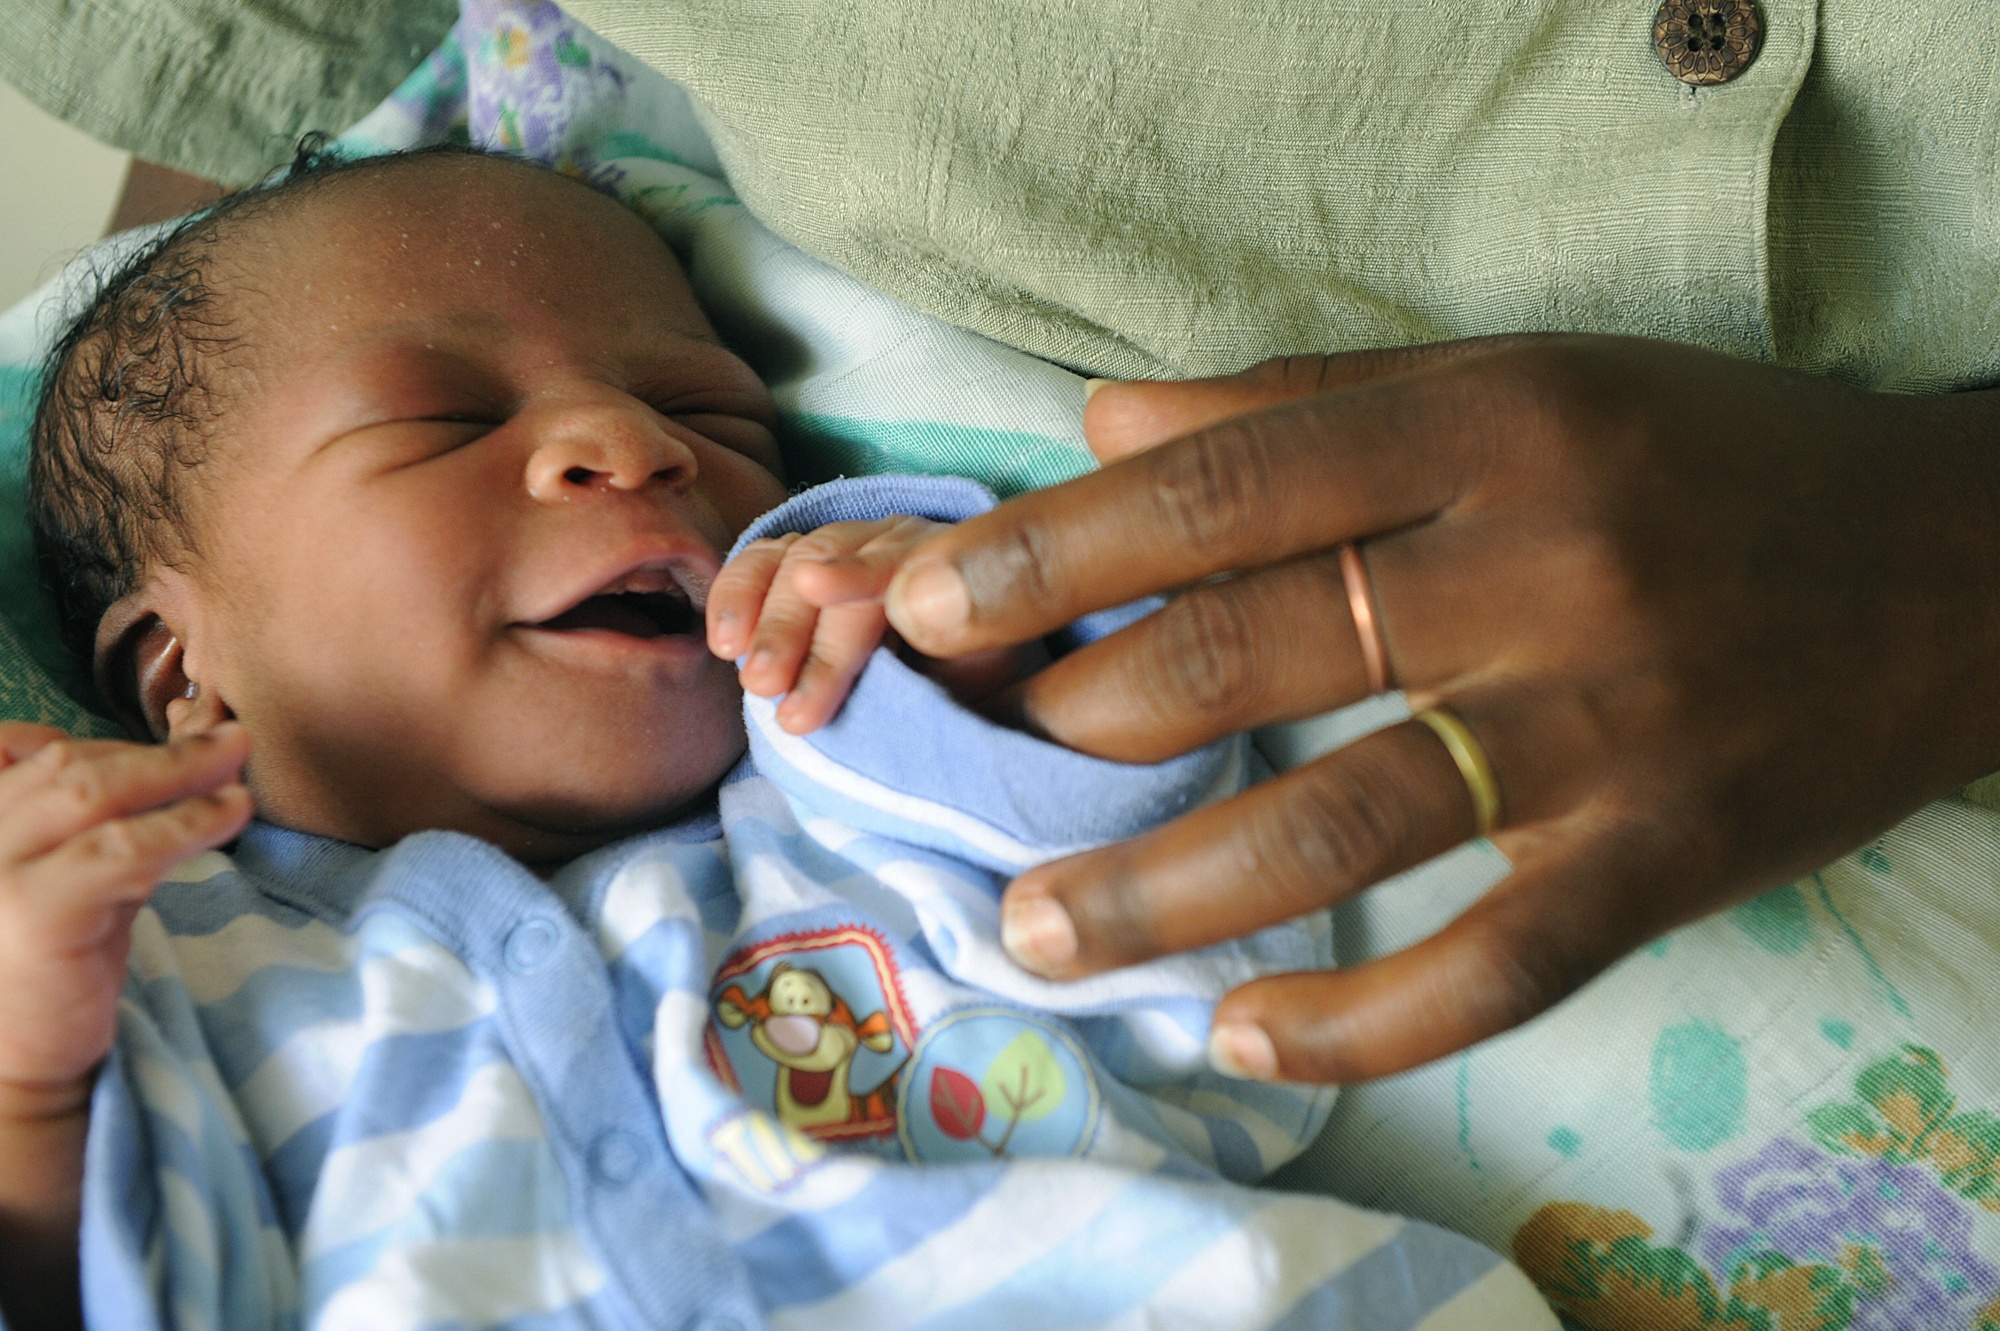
column 1873, row 1225
column 533, row 80
column 1905, row 1242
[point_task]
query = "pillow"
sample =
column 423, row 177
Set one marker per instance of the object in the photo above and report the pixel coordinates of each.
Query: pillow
column 39, row 681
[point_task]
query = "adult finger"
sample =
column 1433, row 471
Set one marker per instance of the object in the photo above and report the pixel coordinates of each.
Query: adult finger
column 120, row 862
column 1529, row 943
column 69, row 789
column 1304, row 841
column 1253, row 491
column 738, row 593
column 1222, row 657
column 1121, row 419
column 843, row 640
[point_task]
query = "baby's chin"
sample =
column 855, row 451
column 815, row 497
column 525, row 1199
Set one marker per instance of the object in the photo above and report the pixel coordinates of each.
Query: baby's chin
column 560, row 832
column 584, row 815
column 542, row 813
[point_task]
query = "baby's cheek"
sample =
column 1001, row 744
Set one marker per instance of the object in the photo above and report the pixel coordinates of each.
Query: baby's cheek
column 740, row 489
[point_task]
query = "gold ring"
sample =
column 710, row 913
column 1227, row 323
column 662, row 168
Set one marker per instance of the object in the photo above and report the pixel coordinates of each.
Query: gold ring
column 1367, row 623
column 1473, row 765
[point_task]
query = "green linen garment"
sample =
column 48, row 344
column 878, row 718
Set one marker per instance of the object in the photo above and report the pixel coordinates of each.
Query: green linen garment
column 1168, row 187
column 1185, row 186
column 222, row 88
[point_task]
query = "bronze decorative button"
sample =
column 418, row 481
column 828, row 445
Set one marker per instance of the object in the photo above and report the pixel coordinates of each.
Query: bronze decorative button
column 1707, row 41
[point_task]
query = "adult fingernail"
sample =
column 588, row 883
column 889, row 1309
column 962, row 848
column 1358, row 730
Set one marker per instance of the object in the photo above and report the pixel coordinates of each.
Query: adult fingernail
column 1038, row 934
column 1090, row 387
column 1240, row 1050
column 934, row 597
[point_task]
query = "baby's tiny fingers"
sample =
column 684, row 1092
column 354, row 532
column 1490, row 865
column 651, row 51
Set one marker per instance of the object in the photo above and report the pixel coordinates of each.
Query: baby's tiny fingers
column 70, row 787
column 20, row 740
column 845, row 578
column 32, row 770
column 738, row 593
column 120, row 862
column 780, row 641
column 844, row 639
column 863, row 573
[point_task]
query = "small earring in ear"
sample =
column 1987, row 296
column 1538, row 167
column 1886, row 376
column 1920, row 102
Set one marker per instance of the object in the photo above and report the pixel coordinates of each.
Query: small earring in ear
column 192, row 691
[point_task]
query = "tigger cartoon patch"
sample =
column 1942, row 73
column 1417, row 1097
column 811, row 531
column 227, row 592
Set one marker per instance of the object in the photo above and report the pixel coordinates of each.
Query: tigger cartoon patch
column 819, row 1019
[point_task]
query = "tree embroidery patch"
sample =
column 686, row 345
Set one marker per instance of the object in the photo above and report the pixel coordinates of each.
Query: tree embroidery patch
column 997, row 1083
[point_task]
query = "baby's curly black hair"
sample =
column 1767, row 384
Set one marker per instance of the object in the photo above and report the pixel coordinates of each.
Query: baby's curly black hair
column 128, row 395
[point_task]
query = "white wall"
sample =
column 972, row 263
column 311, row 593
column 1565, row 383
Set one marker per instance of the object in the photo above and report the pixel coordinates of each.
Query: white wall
column 57, row 189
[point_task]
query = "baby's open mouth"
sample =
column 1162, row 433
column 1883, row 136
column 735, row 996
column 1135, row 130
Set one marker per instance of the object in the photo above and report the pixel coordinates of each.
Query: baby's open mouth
column 658, row 601
column 635, row 614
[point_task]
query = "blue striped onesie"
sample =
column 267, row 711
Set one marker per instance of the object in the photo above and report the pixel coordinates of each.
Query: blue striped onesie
column 765, row 1066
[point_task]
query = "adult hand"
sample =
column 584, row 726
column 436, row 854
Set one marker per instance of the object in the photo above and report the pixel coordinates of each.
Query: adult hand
column 1715, row 624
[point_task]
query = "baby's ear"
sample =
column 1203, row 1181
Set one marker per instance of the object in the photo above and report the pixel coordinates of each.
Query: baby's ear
column 140, row 667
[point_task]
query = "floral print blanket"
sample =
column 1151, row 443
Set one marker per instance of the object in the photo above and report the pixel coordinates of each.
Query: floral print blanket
column 1783, row 1118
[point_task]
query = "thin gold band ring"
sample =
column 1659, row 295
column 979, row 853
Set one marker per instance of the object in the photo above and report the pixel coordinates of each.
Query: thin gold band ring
column 1473, row 765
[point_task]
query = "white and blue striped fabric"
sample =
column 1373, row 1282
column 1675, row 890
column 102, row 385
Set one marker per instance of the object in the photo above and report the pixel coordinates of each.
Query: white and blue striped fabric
column 763, row 1067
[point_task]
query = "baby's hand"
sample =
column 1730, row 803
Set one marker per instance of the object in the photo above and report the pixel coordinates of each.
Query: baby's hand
column 806, row 611
column 87, row 829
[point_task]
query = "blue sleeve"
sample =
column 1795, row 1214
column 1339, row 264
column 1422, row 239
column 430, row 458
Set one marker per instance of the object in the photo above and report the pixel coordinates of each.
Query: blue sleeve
column 862, row 498
column 905, row 761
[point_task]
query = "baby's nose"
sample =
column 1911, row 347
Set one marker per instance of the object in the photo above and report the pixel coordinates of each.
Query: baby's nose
column 616, row 445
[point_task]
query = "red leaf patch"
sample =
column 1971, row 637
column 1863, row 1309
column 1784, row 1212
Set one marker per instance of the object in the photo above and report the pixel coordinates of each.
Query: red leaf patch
column 956, row 1104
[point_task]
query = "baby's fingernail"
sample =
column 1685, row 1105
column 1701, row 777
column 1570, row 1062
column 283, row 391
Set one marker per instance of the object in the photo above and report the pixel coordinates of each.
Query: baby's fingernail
column 52, row 755
column 1038, row 934
column 1090, row 387
column 1240, row 1050
column 934, row 597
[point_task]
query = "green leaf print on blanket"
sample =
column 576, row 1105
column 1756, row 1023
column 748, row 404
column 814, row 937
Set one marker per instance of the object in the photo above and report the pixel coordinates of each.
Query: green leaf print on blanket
column 1904, row 1112
column 1871, row 1228
column 1599, row 1269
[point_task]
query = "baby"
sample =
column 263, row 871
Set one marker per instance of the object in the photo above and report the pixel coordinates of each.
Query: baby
column 424, row 471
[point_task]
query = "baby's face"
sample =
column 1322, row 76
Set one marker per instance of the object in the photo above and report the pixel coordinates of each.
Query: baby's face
column 480, row 457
